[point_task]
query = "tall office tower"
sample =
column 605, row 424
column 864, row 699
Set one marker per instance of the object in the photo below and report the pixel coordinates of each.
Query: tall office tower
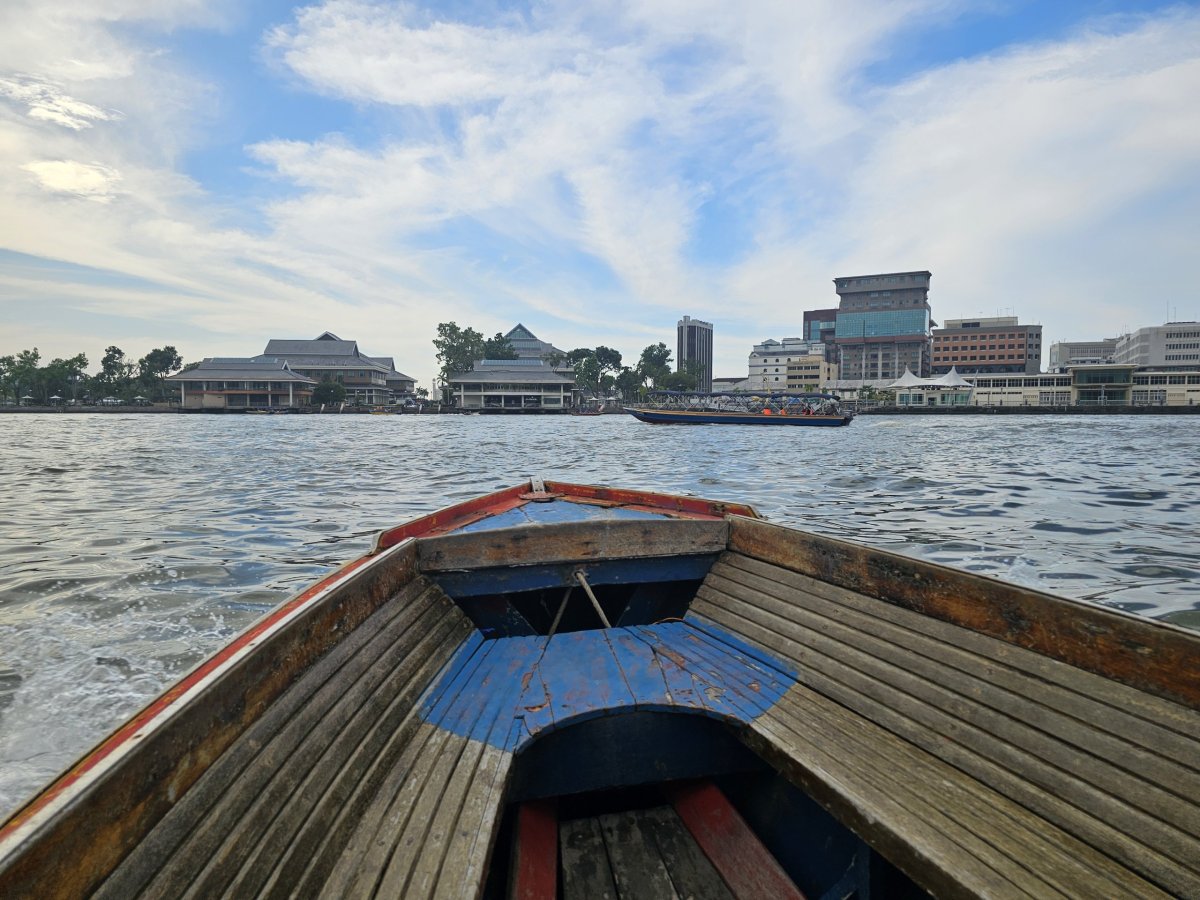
column 980, row 346
column 883, row 325
column 694, row 342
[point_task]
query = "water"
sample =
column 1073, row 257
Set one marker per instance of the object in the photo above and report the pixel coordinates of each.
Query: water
column 131, row 547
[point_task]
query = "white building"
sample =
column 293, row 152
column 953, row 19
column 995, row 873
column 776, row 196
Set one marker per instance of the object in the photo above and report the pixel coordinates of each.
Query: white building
column 791, row 364
column 1174, row 345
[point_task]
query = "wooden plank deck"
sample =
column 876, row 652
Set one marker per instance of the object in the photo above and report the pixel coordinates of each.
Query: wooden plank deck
column 977, row 766
column 636, row 854
column 273, row 816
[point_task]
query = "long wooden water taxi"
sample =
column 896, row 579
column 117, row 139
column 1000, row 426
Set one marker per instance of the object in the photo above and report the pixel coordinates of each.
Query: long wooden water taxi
column 561, row 690
column 726, row 408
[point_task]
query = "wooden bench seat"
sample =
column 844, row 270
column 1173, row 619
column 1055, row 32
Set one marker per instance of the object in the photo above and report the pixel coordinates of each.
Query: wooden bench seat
column 273, row 815
column 977, row 766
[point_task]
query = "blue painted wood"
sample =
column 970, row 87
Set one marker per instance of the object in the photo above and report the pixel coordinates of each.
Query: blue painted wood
column 494, row 616
column 510, row 580
column 546, row 683
column 555, row 512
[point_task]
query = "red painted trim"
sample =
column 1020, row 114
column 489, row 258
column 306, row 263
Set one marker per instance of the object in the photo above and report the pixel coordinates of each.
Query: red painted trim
column 535, row 852
column 125, row 733
column 459, row 516
column 453, row 516
column 735, row 851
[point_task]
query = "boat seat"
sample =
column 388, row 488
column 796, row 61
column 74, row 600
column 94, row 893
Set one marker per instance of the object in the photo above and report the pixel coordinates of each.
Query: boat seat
column 275, row 813
column 979, row 767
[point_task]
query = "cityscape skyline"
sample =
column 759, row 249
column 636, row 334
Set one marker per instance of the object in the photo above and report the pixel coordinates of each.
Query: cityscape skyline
column 201, row 174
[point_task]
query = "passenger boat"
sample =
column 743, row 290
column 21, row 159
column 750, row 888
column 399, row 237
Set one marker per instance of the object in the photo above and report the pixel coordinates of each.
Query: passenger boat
column 561, row 690
column 723, row 408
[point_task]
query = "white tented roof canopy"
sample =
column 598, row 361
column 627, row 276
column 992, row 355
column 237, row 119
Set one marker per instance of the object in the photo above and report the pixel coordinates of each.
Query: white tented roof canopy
column 952, row 379
column 908, row 379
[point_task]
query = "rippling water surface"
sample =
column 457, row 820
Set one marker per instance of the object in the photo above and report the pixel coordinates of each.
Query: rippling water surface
column 132, row 546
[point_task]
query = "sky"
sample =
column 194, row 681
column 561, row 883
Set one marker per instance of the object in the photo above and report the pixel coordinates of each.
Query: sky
column 211, row 174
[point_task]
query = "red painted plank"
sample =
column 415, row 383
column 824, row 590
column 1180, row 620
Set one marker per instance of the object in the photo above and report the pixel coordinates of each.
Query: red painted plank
column 535, row 852
column 735, row 851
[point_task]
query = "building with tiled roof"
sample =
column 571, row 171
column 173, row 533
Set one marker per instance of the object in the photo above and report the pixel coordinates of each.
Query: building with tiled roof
column 527, row 384
column 236, row 383
column 370, row 381
column 527, row 345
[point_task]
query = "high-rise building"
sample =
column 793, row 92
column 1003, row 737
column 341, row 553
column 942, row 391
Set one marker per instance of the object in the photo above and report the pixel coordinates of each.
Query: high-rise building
column 883, row 325
column 992, row 345
column 694, row 345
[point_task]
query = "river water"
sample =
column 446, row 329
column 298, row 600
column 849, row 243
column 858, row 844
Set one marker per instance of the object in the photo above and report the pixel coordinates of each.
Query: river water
column 132, row 546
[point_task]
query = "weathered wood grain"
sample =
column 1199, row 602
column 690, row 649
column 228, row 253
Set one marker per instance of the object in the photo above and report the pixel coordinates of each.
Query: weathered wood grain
column 534, row 866
column 101, row 825
column 637, row 865
column 1012, row 732
column 586, row 872
column 692, row 873
column 1146, row 654
column 733, row 849
column 572, row 542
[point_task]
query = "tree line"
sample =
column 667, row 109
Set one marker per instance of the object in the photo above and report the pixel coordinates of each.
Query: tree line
column 24, row 379
column 599, row 371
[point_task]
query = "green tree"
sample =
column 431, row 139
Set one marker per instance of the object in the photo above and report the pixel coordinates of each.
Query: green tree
column 628, row 382
column 587, row 373
column 116, row 372
column 7, row 364
column 23, row 374
column 554, row 359
column 328, row 393
column 457, row 349
column 61, row 377
column 498, row 347
column 609, row 359
column 654, row 364
column 676, row 381
column 157, row 365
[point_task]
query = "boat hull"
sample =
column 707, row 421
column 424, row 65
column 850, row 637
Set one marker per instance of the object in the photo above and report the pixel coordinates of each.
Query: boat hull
column 689, row 417
column 374, row 734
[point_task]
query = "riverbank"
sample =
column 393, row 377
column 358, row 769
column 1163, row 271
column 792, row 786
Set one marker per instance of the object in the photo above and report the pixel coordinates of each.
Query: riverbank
column 1032, row 411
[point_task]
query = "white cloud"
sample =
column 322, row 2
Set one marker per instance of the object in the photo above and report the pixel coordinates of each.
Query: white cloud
column 92, row 182
column 561, row 166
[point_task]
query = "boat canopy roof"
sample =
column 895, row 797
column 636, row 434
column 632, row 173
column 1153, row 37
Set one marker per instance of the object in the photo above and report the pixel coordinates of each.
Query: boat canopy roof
column 743, row 394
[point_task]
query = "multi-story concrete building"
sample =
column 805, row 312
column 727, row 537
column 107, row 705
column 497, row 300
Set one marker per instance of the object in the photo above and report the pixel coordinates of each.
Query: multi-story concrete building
column 998, row 344
column 1082, row 353
column 1090, row 385
column 694, row 350
column 790, row 364
column 1175, row 345
column 883, row 325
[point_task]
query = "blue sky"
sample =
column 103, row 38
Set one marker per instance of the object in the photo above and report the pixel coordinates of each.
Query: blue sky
column 213, row 174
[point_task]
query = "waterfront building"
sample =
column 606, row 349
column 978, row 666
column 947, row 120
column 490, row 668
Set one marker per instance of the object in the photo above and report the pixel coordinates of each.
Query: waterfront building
column 1091, row 385
column 997, row 344
column 237, row 383
column 947, row 390
column 1082, row 353
column 790, row 364
column 527, row 384
column 1175, row 345
column 883, row 324
column 820, row 327
column 328, row 357
column 694, row 344
column 527, row 345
